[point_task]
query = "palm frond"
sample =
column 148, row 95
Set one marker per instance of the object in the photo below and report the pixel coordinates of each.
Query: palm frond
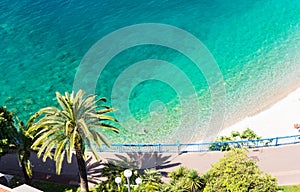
column 69, row 149
column 45, row 137
column 58, row 162
column 99, row 138
column 92, row 148
column 84, row 129
column 103, row 111
column 48, row 151
column 109, row 127
column 65, row 104
column 78, row 98
column 103, row 99
column 72, row 138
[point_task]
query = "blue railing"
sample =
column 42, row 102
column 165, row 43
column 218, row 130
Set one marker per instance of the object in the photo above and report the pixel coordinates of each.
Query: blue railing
column 201, row 147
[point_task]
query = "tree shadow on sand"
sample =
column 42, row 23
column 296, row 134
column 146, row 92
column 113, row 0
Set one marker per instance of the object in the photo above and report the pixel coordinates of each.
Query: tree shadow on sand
column 141, row 161
column 134, row 160
column 94, row 170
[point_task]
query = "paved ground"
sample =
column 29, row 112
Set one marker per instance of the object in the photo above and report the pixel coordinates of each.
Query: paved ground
column 282, row 162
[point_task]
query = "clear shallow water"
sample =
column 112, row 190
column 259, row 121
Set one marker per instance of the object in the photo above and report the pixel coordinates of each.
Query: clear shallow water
column 255, row 44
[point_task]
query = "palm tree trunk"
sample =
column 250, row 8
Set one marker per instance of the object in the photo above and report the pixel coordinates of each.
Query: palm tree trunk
column 82, row 168
column 25, row 158
column 27, row 178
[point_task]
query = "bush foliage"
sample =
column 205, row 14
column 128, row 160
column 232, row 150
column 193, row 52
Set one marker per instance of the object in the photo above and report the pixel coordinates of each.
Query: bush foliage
column 8, row 132
column 236, row 172
column 222, row 145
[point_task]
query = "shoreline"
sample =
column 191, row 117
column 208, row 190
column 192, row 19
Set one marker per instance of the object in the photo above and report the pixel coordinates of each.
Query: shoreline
column 272, row 120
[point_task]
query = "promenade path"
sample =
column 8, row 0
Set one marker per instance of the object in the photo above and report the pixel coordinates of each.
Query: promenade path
column 283, row 162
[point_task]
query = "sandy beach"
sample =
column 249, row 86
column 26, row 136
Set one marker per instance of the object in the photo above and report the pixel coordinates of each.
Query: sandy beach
column 277, row 120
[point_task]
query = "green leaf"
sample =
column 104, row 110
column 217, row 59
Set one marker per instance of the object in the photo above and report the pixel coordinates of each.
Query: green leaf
column 110, row 127
column 58, row 162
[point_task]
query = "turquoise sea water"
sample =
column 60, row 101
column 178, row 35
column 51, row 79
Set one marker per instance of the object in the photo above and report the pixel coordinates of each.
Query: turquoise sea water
column 255, row 44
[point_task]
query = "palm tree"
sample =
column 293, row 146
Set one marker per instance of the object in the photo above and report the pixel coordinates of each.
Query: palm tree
column 24, row 147
column 177, row 174
column 152, row 175
column 184, row 179
column 24, row 153
column 73, row 126
column 151, row 180
column 193, row 181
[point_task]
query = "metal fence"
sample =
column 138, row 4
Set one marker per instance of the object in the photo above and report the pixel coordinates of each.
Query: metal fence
column 200, row 147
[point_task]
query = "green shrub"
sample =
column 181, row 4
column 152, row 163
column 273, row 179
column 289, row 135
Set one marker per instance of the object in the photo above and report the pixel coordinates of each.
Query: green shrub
column 151, row 180
column 184, row 179
column 236, row 172
column 226, row 143
column 8, row 132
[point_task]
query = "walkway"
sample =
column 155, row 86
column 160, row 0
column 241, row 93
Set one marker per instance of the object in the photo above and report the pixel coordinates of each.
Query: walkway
column 283, row 162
